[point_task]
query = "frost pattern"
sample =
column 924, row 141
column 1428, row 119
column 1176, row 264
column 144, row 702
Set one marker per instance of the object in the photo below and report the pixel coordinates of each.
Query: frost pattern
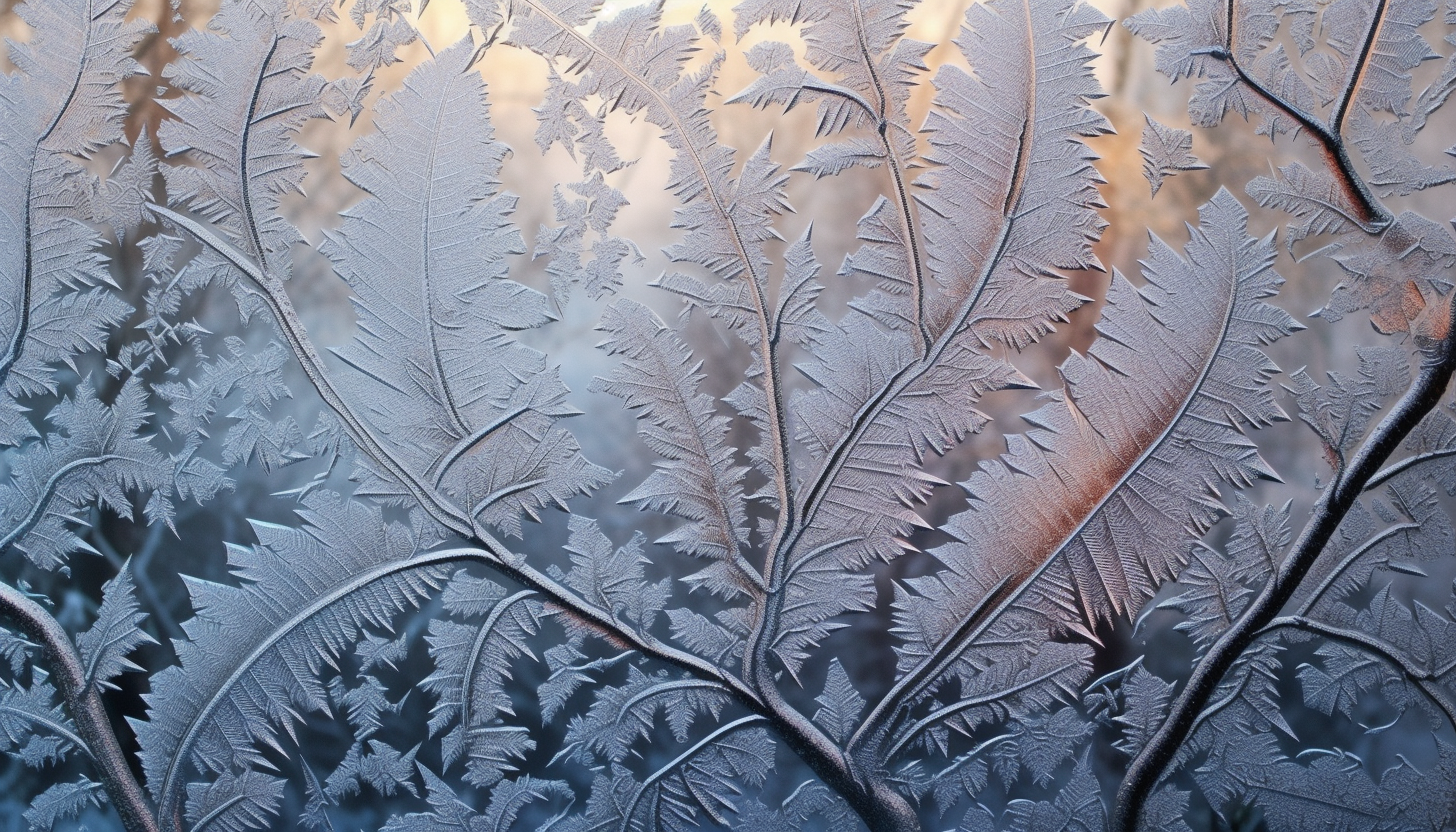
column 784, row 616
column 1166, row 151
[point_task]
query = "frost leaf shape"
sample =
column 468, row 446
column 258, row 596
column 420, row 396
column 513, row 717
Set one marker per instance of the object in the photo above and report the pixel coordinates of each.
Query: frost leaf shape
column 448, row 813
column 637, row 64
column 593, row 209
column 862, row 48
column 697, row 479
column 379, row 44
column 1313, row 196
column 1385, row 82
column 1340, row 412
column 1398, row 275
column 364, row 706
column 472, row 665
column 254, row 652
column 1394, row 170
column 1166, row 809
column 1023, row 676
column 568, row 673
column 384, row 769
column 1040, row 744
column 1219, row 583
column 718, row 642
column 105, row 646
column 62, row 105
column 24, row 710
column 998, row 226
column 703, row 784
column 98, row 456
column 254, row 434
column 834, row 158
column 712, row 779
column 63, row 800
column 810, row 800
column 840, row 704
column 14, row 650
column 459, row 401
column 123, row 198
column 1254, row 681
column 1335, row 789
column 1166, row 151
column 613, row 579
column 621, row 715
column 1149, row 445
column 1343, row 674
column 247, row 73
column 1240, row 726
column 1420, row 636
column 997, row 233
column 1193, row 41
column 875, row 71
column 1076, row 808
column 1434, row 96
column 1146, row 697
column 234, row 802
column 511, row 797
